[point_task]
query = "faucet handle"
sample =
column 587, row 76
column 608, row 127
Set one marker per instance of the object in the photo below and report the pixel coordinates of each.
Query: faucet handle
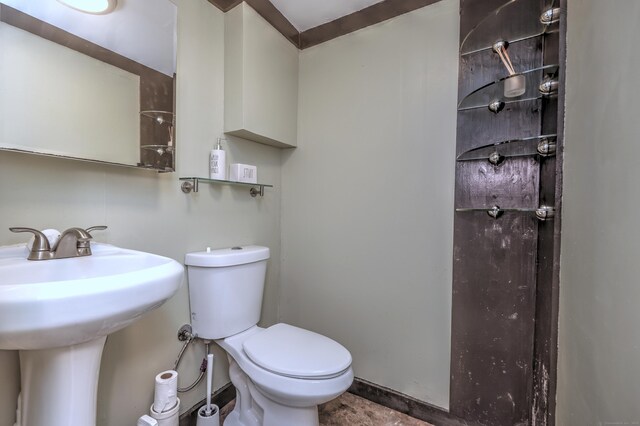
column 40, row 243
column 96, row 228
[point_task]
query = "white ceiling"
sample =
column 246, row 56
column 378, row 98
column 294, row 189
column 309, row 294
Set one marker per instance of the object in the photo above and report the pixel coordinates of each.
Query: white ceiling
column 305, row 14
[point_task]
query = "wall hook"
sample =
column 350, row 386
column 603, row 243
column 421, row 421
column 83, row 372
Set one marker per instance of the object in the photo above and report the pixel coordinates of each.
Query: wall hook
column 495, row 158
column 546, row 147
column 496, row 106
column 545, row 213
column 548, row 86
column 550, row 16
column 495, row 212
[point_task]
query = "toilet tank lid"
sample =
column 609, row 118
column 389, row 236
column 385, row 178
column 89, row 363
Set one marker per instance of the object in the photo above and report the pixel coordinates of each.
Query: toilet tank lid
column 231, row 256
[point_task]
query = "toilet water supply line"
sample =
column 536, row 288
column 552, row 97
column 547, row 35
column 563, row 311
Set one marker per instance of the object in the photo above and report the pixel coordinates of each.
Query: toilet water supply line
column 203, row 366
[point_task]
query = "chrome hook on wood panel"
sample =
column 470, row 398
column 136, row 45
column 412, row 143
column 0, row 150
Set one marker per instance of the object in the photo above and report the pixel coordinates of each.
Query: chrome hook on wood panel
column 550, row 16
column 495, row 212
column 549, row 86
column 546, row 147
column 495, row 158
column 496, row 106
column 544, row 213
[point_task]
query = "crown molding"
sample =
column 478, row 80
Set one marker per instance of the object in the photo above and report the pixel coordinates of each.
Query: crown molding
column 368, row 16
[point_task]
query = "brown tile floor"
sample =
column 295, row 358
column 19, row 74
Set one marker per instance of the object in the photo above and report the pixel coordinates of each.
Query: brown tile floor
column 351, row 410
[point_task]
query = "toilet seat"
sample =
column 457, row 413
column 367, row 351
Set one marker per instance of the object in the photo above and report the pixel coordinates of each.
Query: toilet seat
column 292, row 391
column 295, row 352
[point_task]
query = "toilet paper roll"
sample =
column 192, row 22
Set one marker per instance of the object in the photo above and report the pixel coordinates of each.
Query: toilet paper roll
column 166, row 391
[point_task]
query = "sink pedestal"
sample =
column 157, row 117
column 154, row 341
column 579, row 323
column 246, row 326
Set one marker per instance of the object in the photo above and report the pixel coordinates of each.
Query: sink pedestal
column 60, row 385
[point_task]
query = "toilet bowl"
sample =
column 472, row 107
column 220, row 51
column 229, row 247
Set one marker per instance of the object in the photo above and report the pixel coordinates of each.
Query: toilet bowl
column 281, row 373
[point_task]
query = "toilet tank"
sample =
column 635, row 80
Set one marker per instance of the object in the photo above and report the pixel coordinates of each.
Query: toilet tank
column 225, row 289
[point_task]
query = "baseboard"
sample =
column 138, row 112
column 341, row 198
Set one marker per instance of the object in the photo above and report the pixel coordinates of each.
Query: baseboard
column 221, row 397
column 379, row 394
column 405, row 404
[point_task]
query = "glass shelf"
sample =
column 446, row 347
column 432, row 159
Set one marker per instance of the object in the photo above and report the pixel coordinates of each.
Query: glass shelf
column 493, row 91
column 158, row 149
column 505, row 23
column 190, row 184
column 542, row 213
column 160, row 117
column 544, row 145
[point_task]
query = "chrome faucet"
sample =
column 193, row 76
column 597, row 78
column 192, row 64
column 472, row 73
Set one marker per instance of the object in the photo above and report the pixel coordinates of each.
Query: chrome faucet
column 74, row 242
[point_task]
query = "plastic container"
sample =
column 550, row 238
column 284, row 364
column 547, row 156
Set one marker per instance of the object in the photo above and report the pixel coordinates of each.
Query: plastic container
column 168, row 418
column 211, row 420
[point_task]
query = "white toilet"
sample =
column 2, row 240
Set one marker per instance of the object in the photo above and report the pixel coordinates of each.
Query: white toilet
column 280, row 373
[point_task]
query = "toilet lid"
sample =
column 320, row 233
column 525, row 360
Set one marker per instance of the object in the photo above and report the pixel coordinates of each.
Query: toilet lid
column 295, row 352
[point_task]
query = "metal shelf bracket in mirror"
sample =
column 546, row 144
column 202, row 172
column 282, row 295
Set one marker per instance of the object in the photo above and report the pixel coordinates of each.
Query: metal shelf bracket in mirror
column 542, row 213
column 157, row 129
column 496, row 153
column 191, row 184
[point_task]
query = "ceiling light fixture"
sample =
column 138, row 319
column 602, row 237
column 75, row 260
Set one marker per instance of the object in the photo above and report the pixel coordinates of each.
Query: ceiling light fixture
column 94, row 7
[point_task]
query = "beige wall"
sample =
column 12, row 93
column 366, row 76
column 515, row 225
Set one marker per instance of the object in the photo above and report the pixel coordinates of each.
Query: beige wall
column 599, row 347
column 147, row 211
column 367, row 205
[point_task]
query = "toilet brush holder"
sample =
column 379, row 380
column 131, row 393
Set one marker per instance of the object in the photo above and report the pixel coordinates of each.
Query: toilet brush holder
column 213, row 419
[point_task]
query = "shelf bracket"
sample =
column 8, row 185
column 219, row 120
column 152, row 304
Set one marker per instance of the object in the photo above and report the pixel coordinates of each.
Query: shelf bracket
column 188, row 186
column 192, row 184
column 257, row 191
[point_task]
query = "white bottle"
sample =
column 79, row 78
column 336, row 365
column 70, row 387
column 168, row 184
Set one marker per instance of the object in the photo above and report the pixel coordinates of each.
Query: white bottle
column 217, row 162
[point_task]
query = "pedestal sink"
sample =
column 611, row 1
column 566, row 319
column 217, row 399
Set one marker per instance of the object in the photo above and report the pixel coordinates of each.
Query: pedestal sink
column 58, row 313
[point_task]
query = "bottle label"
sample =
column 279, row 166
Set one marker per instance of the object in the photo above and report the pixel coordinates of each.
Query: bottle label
column 215, row 166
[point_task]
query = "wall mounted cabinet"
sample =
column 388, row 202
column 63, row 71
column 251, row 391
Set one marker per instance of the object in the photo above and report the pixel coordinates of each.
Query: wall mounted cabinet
column 261, row 80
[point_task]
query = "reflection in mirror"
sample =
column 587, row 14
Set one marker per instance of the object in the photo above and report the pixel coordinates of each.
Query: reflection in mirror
column 91, row 87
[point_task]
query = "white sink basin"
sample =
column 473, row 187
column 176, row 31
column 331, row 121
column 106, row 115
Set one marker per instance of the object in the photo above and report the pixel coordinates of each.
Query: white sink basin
column 57, row 313
column 62, row 302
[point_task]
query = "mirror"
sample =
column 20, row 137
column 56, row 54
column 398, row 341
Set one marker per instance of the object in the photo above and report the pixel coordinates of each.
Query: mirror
column 94, row 87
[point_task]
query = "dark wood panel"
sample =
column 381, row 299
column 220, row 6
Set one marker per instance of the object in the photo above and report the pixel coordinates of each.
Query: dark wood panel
column 512, row 184
column 492, row 325
column 472, row 11
column 547, row 291
column 499, row 264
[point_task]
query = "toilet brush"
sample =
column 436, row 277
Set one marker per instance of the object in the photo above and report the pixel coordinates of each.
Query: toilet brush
column 209, row 414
